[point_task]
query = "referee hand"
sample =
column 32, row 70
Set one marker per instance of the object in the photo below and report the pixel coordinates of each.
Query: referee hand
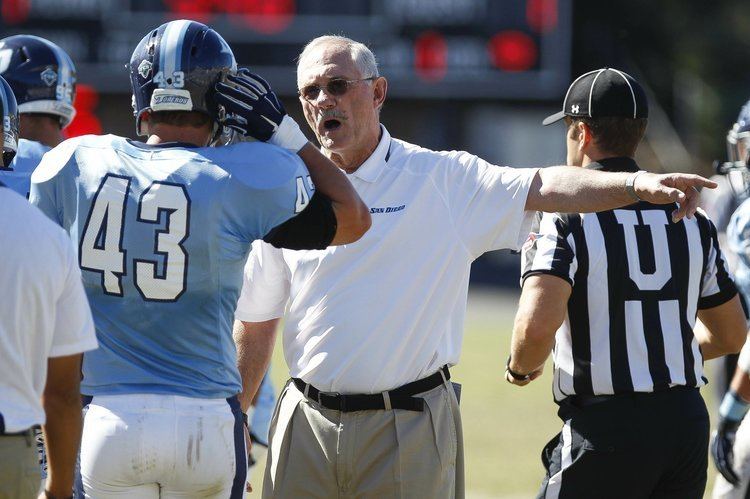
column 523, row 382
column 679, row 188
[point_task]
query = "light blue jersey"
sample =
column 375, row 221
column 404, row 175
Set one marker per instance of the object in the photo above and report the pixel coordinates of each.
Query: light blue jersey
column 163, row 233
column 738, row 238
column 18, row 174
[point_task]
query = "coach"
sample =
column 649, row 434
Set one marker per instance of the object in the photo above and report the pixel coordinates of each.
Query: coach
column 617, row 294
column 372, row 326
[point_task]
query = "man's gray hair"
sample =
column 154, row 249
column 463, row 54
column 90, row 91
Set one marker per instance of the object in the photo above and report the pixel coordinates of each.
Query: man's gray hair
column 362, row 56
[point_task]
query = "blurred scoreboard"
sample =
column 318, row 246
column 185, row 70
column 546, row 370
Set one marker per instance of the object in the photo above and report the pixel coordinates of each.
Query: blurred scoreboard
column 437, row 49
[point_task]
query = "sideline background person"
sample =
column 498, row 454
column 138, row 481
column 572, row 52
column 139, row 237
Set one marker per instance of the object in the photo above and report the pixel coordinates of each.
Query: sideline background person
column 43, row 79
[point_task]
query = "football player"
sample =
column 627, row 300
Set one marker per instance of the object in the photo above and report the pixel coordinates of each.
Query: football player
column 730, row 445
column 9, row 115
column 720, row 204
column 163, row 229
column 43, row 79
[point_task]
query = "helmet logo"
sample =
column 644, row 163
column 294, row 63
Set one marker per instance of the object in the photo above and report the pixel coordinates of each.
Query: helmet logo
column 166, row 100
column 49, row 76
column 144, row 68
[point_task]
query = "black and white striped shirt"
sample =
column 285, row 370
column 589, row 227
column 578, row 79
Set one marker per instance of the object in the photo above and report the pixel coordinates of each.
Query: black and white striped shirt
column 638, row 282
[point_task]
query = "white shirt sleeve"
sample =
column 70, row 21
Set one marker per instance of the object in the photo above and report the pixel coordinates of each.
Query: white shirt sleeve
column 74, row 326
column 265, row 286
column 487, row 203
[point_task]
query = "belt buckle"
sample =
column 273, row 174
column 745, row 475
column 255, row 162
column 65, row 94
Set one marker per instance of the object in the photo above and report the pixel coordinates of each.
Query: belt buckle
column 336, row 400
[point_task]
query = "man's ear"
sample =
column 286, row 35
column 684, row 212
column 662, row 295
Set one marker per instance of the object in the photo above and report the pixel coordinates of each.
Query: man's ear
column 584, row 134
column 379, row 91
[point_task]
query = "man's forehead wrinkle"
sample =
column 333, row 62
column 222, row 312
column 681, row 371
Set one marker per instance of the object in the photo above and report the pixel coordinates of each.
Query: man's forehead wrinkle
column 330, row 61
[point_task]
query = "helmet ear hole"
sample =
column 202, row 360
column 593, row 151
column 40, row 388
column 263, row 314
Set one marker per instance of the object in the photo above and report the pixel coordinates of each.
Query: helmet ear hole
column 8, row 158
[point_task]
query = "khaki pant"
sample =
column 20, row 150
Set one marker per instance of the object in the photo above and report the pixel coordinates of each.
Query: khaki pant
column 20, row 477
column 324, row 453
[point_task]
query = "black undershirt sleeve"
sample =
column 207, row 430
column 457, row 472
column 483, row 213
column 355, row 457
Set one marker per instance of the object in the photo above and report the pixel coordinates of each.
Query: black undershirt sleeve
column 313, row 228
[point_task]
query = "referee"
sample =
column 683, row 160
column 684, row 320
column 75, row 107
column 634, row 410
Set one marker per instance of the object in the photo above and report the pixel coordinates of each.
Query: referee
column 616, row 294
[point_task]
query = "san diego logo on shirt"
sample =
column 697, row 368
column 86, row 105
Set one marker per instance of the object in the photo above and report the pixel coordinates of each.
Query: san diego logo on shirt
column 388, row 209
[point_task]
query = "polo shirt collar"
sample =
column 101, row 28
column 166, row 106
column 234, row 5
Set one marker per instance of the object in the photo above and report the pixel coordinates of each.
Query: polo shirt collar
column 373, row 166
column 617, row 164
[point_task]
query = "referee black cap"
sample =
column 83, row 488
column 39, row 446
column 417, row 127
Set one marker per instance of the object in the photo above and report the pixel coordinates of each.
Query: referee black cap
column 605, row 92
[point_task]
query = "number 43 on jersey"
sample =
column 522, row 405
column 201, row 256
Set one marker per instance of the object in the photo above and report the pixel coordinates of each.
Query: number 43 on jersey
column 101, row 248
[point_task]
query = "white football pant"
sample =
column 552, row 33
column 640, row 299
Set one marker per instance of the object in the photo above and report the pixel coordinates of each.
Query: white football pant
column 152, row 446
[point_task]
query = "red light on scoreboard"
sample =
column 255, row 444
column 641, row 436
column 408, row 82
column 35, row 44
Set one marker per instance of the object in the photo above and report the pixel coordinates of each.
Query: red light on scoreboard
column 264, row 16
column 197, row 10
column 541, row 15
column 14, row 11
column 513, row 51
column 430, row 56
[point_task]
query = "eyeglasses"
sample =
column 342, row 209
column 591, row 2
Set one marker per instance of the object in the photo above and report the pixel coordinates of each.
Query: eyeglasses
column 335, row 86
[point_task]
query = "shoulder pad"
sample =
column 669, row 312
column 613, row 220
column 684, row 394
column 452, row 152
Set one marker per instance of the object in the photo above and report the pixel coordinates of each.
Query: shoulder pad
column 55, row 159
column 259, row 165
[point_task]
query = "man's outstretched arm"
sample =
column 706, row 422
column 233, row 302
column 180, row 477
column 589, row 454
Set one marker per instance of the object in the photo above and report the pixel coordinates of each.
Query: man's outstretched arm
column 570, row 189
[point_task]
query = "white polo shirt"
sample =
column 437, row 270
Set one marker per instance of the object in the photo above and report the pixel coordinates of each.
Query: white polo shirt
column 389, row 309
column 43, row 311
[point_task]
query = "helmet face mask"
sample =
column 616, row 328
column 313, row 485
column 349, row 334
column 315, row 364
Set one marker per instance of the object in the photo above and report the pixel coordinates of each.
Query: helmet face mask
column 738, row 137
column 9, row 113
column 738, row 154
column 175, row 68
column 41, row 74
column 738, row 144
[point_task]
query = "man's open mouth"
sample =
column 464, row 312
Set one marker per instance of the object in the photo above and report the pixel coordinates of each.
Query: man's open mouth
column 331, row 124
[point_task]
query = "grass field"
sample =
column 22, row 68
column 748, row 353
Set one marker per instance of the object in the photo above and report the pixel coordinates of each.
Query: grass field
column 505, row 427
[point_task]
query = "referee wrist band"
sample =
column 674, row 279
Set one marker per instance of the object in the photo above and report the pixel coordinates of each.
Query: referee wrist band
column 630, row 185
column 516, row 376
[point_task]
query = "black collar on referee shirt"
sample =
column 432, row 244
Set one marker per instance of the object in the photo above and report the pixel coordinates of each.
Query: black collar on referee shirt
column 617, row 164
